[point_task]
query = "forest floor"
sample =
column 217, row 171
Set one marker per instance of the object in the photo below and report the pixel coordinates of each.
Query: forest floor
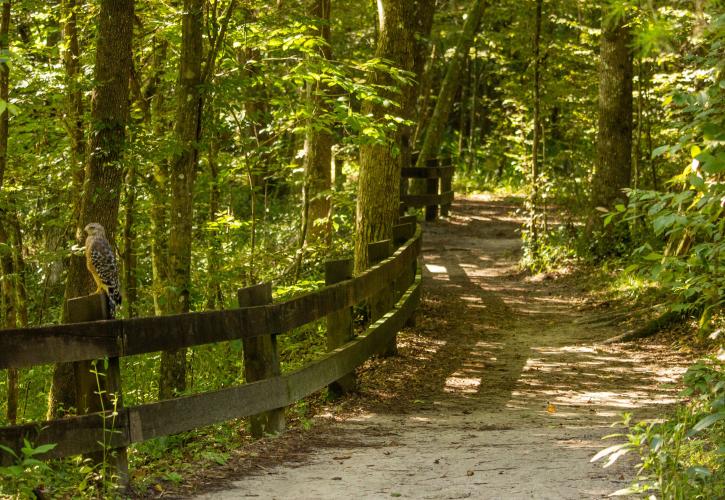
column 502, row 390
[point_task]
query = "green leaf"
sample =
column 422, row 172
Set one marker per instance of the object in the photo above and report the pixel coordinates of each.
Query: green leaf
column 653, row 256
column 659, row 151
column 44, row 448
column 631, row 490
column 707, row 422
column 608, row 451
column 8, row 451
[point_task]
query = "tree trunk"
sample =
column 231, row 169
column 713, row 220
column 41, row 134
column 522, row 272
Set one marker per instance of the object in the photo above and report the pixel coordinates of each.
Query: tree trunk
column 214, row 296
column 21, row 290
column 4, row 88
column 439, row 119
column 473, row 116
column 74, row 99
column 421, row 24
column 187, row 132
column 159, row 182
column 533, row 224
column 9, row 312
column 318, row 144
column 6, row 259
column 104, row 174
column 614, row 140
column 378, row 197
column 424, row 94
column 129, row 250
column 462, row 105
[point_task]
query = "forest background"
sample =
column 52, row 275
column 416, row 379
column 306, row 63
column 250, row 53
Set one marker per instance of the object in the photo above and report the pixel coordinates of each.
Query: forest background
column 223, row 143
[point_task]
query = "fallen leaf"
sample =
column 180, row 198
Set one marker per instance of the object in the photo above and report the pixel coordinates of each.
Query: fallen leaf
column 550, row 408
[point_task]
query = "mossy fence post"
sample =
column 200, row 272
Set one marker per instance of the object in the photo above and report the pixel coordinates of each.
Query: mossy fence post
column 98, row 388
column 431, row 188
column 383, row 301
column 339, row 324
column 261, row 360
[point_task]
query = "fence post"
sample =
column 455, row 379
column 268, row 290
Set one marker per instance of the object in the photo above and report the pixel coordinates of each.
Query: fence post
column 99, row 388
column 339, row 324
column 383, row 301
column 402, row 232
column 446, row 186
column 431, row 188
column 409, row 276
column 261, row 360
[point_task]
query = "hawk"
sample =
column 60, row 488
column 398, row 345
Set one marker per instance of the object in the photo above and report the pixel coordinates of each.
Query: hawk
column 101, row 263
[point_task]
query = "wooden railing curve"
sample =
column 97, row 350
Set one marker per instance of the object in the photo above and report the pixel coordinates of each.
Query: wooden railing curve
column 82, row 434
column 20, row 348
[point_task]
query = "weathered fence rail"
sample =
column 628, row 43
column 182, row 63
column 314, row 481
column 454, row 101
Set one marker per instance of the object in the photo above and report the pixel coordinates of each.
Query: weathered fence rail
column 438, row 176
column 394, row 278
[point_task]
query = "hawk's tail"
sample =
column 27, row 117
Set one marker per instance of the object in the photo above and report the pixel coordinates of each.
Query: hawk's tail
column 114, row 300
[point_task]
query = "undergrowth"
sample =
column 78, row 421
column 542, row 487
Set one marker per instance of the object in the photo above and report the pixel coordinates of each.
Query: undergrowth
column 682, row 457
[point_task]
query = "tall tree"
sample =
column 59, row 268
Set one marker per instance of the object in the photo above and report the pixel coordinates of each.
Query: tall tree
column 182, row 171
column 533, row 227
column 422, row 23
column 380, row 163
column 437, row 123
column 614, row 140
column 104, row 173
column 159, row 179
column 318, row 144
column 6, row 259
column 187, row 131
column 74, row 97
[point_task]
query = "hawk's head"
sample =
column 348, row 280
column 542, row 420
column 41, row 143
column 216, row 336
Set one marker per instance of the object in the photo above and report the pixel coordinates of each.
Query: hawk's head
column 94, row 229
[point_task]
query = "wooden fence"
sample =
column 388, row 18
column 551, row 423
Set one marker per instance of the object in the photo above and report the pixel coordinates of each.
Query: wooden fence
column 438, row 176
column 390, row 287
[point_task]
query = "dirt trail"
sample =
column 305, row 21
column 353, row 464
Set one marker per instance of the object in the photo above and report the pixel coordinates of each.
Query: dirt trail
column 500, row 391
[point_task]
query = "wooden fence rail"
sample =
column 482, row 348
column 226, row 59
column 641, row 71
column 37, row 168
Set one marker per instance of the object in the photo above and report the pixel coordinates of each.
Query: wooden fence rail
column 438, row 176
column 393, row 281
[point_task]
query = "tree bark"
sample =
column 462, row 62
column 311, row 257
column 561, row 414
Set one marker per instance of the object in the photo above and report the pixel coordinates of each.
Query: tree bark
column 182, row 169
column 533, row 225
column 74, row 98
column 214, row 297
column 378, row 196
column 159, row 181
column 422, row 24
column 439, row 119
column 318, row 147
column 424, row 94
column 6, row 259
column 104, row 174
column 187, row 132
column 129, row 236
column 614, row 140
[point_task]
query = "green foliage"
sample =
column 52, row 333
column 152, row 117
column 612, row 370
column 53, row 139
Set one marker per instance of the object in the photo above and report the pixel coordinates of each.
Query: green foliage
column 27, row 473
column 551, row 249
column 681, row 232
column 684, row 456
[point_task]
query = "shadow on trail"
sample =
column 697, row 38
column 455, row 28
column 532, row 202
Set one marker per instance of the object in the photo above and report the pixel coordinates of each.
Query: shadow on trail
column 490, row 339
column 497, row 392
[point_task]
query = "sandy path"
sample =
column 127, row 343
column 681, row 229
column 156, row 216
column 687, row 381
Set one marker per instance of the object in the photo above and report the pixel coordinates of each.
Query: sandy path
column 465, row 410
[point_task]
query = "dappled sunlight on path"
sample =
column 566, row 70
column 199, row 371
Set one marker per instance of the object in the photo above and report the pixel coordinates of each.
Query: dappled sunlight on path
column 498, row 392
